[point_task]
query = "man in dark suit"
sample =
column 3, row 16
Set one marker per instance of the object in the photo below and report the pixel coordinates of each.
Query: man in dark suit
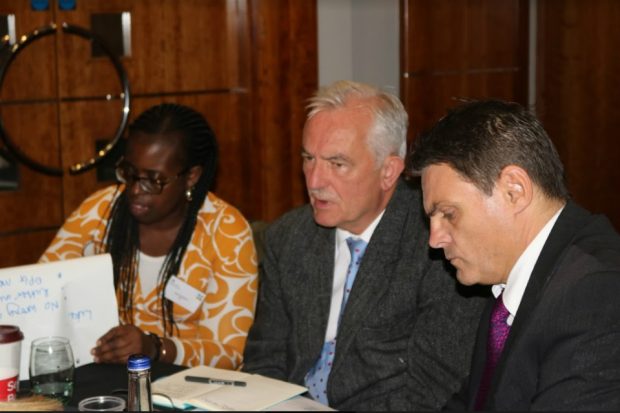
column 350, row 303
column 495, row 193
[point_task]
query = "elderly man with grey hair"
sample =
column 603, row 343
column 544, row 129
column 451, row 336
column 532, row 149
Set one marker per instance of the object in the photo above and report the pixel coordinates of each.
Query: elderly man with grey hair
column 351, row 302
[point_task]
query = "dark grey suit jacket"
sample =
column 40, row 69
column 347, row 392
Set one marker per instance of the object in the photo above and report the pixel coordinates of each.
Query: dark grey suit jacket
column 563, row 349
column 406, row 336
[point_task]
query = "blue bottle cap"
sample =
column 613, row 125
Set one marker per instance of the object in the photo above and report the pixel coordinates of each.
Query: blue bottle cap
column 138, row 362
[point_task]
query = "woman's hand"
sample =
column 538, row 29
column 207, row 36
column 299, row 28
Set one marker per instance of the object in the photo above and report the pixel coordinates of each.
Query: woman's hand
column 120, row 342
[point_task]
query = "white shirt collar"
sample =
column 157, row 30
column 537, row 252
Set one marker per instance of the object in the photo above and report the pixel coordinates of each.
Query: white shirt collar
column 522, row 270
column 342, row 235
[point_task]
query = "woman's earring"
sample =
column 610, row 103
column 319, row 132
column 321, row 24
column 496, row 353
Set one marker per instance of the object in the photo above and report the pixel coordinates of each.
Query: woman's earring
column 188, row 194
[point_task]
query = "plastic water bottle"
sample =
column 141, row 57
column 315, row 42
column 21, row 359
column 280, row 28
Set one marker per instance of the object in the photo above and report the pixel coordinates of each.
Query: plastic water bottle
column 139, row 388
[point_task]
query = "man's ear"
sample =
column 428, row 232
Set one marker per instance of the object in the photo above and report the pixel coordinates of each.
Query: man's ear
column 516, row 186
column 193, row 175
column 392, row 167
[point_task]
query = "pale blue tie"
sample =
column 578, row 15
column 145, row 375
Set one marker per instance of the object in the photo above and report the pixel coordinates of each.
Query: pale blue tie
column 316, row 379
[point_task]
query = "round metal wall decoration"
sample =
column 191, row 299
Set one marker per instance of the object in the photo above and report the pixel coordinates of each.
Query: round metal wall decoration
column 11, row 52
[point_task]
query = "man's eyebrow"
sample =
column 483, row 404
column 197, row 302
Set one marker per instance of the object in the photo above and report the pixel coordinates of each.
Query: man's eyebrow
column 432, row 212
column 337, row 157
column 330, row 158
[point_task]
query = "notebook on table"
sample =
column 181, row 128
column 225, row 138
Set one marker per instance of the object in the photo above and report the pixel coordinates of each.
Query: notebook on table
column 251, row 392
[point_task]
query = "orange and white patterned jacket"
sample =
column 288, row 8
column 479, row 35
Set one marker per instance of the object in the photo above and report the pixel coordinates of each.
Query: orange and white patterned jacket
column 220, row 261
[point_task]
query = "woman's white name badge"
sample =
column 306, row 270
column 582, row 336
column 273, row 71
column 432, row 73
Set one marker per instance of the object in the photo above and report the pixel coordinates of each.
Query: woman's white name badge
column 183, row 294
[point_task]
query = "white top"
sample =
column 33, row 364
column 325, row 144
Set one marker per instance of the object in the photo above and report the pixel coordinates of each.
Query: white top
column 522, row 270
column 148, row 271
column 342, row 258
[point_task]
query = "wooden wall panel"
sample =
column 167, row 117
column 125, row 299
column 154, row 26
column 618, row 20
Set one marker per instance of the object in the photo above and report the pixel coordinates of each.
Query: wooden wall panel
column 29, row 214
column 31, row 76
column 35, row 242
column 33, row 128
column 462, row 35
column 35, row 204
column 430, row 96
column 32, row 73
column 467, row 49
column 578, row 96
column 25, row 18
column 285, row 74
column 177, row 46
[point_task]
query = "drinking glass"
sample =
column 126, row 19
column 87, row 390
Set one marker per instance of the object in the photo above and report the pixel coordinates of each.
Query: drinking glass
column 102, row 403
column 51, row 368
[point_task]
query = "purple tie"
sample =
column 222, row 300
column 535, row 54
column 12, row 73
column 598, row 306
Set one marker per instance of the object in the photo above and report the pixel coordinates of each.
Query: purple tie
column 498, row 332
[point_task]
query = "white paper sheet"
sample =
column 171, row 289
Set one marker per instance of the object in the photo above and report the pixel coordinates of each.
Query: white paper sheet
column 73, row 299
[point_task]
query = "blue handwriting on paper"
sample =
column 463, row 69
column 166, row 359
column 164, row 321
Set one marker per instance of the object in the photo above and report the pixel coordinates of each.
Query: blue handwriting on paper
column 14, row 309
column 27, row 294
column 30, row 280
column 80, row 315
column 32, row 294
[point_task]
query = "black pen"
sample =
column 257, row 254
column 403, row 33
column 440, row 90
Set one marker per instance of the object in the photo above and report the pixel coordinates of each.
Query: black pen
column 209, row 380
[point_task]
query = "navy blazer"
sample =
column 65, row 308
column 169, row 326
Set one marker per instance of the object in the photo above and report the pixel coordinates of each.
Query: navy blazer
column 563, row 349
column 406, row 334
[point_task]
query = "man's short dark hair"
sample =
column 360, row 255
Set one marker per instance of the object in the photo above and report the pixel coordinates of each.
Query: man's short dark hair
column 478, row 139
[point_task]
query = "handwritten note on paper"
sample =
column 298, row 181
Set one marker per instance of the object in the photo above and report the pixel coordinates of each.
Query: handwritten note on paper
column 73, row 299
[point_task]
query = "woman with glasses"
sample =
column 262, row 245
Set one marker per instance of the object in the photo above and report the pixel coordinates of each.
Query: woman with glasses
column 184, row 260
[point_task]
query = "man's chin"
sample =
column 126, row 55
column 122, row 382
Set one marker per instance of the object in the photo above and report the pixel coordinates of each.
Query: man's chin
column 465, row 278
column 323, row 220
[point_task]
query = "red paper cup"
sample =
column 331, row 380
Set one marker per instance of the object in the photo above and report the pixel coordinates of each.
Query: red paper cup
column 10, row 354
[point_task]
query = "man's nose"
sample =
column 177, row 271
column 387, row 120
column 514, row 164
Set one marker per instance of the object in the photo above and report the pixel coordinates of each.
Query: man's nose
column 315, row 175
column 439, row 237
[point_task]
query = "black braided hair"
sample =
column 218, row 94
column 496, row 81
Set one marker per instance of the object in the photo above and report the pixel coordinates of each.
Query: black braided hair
column 122, row 236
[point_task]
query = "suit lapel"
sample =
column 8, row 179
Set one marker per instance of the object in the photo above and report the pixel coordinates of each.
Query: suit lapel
column 315, row 290
column 571, row 219
column 375, row 272
column 370, row 283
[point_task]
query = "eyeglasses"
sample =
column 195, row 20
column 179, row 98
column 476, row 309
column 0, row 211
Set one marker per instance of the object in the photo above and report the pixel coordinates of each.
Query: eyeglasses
column 151, row 184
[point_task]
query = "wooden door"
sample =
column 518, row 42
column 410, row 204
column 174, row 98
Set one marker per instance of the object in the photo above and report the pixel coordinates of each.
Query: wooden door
column 459, row 50
column 578, row 96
